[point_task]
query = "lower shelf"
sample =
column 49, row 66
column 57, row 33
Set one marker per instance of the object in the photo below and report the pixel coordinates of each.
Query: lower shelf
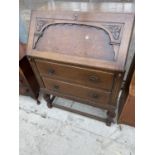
column 84, row 109
column 79, row 108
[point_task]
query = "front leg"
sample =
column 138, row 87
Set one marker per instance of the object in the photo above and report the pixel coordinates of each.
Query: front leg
column 49, row 100
column 38, row 101
column 110, row 116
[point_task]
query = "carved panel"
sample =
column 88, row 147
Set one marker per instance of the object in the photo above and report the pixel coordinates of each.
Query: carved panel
column 111, row 33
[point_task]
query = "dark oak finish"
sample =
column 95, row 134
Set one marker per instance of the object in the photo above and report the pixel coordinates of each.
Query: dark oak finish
column 49, row 100
column 23, row 85
column 127, row 115
column 80, row 56
column 84, row 76
column 110, row 115
column 28, row 84
column 126, row 109
column 94, row 96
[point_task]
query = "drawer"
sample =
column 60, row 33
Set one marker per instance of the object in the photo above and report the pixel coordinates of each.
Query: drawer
column 95, row 96
column 83, row 76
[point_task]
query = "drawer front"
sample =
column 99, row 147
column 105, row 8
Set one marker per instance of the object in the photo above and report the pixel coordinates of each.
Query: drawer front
column 87, row 77
column 95, row 96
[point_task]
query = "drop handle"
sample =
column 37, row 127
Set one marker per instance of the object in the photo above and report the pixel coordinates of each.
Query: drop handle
column 95, row 96
column 93, row 78
column 51, row 71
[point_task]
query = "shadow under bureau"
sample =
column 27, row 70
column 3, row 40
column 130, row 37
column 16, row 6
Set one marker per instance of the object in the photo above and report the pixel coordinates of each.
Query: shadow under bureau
column 80, row 56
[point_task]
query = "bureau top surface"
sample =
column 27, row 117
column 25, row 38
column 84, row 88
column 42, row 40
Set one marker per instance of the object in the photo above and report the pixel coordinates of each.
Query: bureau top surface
column 98, row 40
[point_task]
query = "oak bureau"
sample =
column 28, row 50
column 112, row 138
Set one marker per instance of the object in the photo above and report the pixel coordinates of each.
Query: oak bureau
column 80, row 55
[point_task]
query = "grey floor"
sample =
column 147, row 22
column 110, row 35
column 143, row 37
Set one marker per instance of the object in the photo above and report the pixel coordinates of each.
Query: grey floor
column 54, row 131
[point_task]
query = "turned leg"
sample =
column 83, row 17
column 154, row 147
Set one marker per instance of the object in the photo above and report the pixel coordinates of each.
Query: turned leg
column 52, row 99
column 49, row 100
column 110, row 116
column 38, row 101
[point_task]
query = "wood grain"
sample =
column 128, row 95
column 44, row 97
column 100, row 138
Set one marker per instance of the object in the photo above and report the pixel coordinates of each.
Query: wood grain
column 88, row 77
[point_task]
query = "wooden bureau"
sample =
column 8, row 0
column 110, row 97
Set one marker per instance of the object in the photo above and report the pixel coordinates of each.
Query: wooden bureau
column 80, row 56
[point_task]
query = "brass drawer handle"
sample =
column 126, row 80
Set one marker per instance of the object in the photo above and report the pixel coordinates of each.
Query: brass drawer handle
column 51, row 71
column 55, row 87
column 93, row 78
column 95, row 96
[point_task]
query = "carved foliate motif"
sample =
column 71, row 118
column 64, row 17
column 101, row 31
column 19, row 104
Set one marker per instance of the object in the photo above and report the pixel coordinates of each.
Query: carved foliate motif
column 40, row 24
column 115, row 30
